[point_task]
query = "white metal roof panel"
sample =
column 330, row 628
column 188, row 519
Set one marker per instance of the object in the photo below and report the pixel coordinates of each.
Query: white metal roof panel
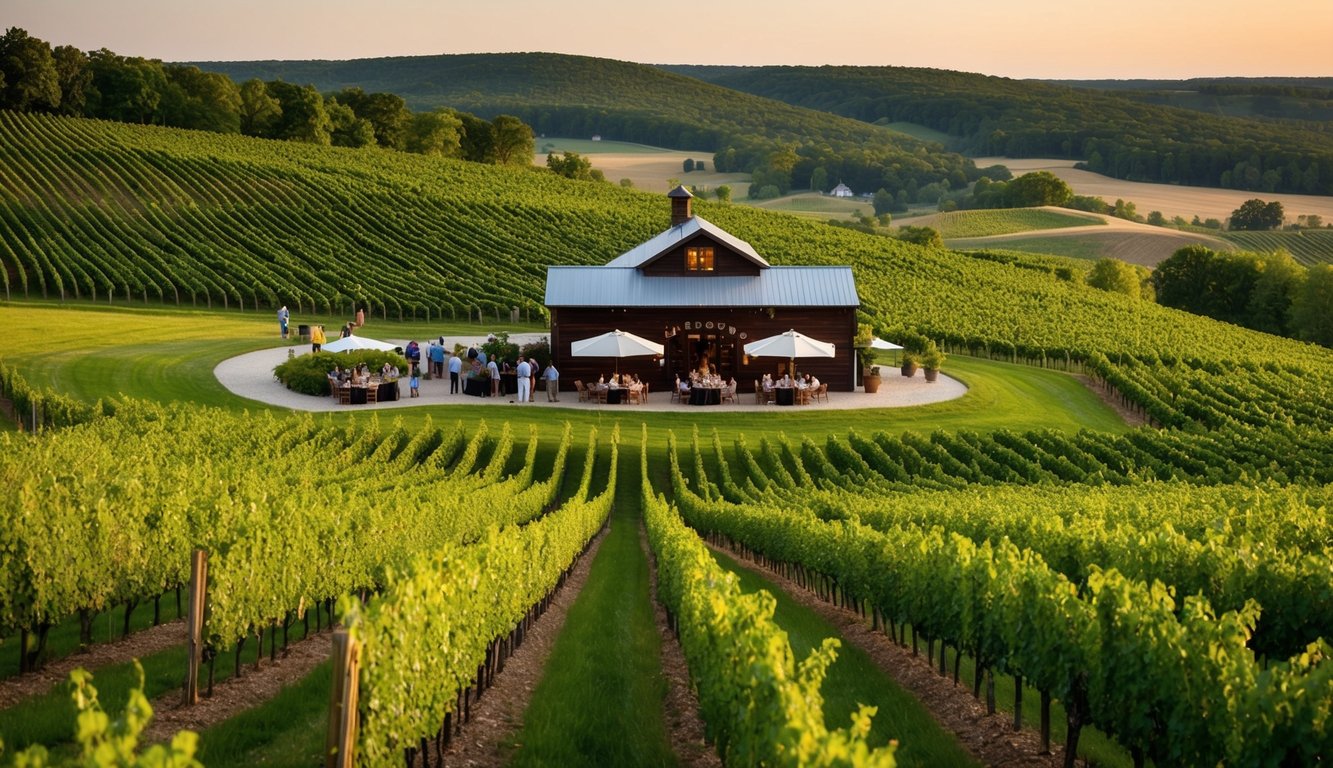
column 773, row 287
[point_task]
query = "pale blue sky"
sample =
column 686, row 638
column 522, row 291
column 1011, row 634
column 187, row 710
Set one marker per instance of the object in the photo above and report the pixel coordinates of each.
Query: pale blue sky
column 1020, row 38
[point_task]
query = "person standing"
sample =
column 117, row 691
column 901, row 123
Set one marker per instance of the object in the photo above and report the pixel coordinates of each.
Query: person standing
column 455, row 368
column 283, row 317
column 415, row 382
column 524, row 373
column 316, row 337
column 494, row 371
column 360, row 317
column 437, row 359
column 552, row 377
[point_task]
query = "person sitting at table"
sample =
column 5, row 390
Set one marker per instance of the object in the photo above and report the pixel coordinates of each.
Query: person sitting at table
column 768, row 383
column 683, row 386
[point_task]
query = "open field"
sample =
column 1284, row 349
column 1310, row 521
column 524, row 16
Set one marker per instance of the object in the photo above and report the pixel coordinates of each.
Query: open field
column 647, row 167
column 1006, row 221
column 1172, row 200
column 1109, row 238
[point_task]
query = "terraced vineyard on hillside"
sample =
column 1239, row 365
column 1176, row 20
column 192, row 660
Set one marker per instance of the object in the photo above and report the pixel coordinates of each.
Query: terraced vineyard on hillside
column 118, row 213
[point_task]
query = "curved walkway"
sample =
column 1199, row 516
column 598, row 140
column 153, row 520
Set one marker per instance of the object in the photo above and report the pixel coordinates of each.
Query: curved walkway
column 251, row 376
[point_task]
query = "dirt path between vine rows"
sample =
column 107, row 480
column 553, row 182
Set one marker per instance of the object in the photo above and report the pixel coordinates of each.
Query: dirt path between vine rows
column 988, row 738
column 684, row 725
column 1130, row 416
column 498, row 716
column 136, row 646
column 237, row 694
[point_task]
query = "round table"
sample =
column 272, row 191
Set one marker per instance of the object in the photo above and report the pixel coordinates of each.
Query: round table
column 705, row 396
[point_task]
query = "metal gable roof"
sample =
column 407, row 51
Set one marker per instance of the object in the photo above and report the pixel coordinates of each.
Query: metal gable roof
column 648, row 250
column 611, row 286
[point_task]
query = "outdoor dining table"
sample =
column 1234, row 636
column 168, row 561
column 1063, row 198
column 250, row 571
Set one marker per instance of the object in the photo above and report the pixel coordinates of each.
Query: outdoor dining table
column 615, row 394
column 384, row 390
column 785, row 395
column 508, row 383
column 476, row 387
column 705, row 396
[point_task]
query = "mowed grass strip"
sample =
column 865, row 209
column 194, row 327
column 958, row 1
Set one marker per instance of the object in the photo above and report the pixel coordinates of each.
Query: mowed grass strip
column 288, row 730
column 854, row 679
column 600, row 699
column 985, row 223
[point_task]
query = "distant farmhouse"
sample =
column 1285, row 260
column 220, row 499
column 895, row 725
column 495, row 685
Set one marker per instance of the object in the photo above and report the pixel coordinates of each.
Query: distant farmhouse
column 597, row 137
column 842, row 190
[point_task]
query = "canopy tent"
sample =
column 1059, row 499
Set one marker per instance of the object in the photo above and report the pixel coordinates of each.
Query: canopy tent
column 615, row 344
column 790, row 345
column 352, row 342
column 878, row 343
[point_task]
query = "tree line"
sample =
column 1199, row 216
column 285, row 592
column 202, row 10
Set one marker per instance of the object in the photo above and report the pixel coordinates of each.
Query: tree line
column 1113, row 134
column 64, row 80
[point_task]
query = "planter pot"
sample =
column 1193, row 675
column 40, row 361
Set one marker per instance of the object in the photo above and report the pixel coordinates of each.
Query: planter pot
column 932, row 374
column 909, row 369
column 871, row 383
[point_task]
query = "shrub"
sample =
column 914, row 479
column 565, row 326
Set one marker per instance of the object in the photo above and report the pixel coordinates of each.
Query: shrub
column 309, row 374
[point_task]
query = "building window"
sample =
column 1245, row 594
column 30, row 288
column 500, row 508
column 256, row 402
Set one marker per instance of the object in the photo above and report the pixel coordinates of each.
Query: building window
column 699, row 259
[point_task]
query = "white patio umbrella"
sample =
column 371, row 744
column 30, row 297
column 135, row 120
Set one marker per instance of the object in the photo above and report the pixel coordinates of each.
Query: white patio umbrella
column 358, row 342
column 615, row 344
column 790, row 345
column 878, row 343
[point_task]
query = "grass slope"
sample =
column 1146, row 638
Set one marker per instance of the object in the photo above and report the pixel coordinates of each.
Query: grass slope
column 958, row 224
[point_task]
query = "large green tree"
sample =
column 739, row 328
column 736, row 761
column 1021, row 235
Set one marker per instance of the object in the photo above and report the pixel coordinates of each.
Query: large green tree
column 513, row 141
column 126, row 89
column 1269, row 307
column 1037, row 188
column 260, row 111
column 1256, row 215
column 388, row 114
column 205, row 101
column 1310, row 315
column 30, row 79
column 435, row 133
column 347, row 129
column 571, row 165
column 303, row 116
column 75, row 78
column 1115, row 276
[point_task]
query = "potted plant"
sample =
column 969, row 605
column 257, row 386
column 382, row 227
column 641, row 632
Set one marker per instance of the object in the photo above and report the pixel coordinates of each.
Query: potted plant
column 871, row 380
column 931, row 361
column 911, row 361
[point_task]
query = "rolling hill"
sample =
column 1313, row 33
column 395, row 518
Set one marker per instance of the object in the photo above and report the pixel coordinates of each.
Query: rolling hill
column 108, row 212
column 1115, row 135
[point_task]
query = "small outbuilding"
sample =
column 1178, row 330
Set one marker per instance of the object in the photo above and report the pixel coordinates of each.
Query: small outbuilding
column 703, row 293
column 842, row 190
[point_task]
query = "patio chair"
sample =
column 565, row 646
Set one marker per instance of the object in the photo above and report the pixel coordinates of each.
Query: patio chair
column 582, row 390
column 821, row 393
column 729, row 393
column 344, row 395
column 372, row 394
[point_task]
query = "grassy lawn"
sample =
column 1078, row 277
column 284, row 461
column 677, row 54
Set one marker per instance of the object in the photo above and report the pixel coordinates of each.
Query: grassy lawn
column 169, row 355
column 854, row 679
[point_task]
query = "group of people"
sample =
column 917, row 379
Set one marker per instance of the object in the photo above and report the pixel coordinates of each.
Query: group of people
column 360, row 375
column 785, row 381
column 481, row 367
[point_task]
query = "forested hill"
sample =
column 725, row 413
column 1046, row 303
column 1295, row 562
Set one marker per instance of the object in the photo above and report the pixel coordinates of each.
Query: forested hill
column 564, row 95
column 1115, row 134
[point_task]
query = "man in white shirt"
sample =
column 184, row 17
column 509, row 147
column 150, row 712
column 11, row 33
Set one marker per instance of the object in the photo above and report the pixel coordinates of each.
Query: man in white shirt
column 524, row 381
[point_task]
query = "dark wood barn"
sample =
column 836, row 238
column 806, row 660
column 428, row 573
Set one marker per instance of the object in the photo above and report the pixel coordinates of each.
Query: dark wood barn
column 703, row 293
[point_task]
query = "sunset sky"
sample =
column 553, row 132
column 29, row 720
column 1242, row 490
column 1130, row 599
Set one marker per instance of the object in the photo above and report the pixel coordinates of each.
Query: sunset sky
column 1021, row 38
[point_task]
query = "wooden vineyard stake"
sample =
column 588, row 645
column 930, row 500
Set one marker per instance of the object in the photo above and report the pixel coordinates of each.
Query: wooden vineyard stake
column 195, row 622
column 340, row 746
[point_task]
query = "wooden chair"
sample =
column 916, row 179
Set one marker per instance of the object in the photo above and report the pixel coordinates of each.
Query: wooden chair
column 643, row 396
column 344, row 395
column 758, row 393
column 803, row 396
column 635, row 396
column 583, row 391
column 729, row 394
column 372, row 394
column 821, row 393
column 675, row 391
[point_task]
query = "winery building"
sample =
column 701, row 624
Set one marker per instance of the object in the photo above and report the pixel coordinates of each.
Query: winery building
column 703, row 293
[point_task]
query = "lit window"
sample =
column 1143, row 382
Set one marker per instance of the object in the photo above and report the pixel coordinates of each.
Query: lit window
column 699, row 259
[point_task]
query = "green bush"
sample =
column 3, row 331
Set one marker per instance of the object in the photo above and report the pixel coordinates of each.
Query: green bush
column 309, row 374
